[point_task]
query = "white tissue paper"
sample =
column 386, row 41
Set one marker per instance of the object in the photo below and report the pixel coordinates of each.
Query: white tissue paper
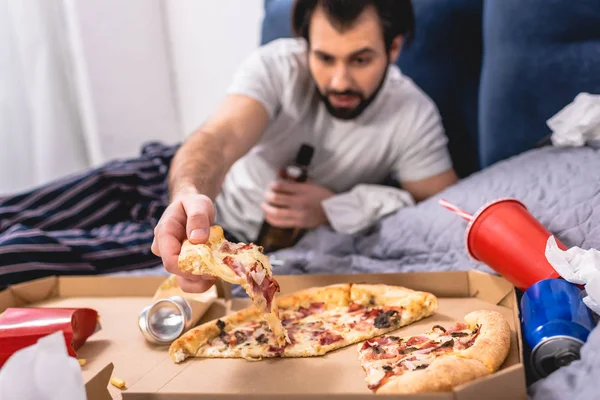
column 578, row 123
column 43, row 371
column 361, row 207
column 578, row 266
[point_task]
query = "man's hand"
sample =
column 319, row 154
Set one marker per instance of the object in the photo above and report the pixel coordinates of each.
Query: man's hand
column 188, row 216
column 295, row 205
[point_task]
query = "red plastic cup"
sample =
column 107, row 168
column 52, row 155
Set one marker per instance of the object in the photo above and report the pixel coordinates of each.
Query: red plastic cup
column 506, row 237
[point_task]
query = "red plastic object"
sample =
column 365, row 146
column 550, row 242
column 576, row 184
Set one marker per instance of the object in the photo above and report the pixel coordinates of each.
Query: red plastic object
column 506, row 237
column 22, row 327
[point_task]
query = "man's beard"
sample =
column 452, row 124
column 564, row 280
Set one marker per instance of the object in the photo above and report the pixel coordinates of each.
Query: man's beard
column 346, row 113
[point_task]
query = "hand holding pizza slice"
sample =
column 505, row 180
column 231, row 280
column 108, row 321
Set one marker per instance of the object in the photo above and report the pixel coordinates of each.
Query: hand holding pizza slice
column 241, row 264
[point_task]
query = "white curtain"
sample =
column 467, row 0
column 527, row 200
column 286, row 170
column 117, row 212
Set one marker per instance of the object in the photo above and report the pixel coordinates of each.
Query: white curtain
column 41, row 134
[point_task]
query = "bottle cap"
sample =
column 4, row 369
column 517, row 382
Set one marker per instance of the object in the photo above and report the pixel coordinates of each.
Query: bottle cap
column 305, row 155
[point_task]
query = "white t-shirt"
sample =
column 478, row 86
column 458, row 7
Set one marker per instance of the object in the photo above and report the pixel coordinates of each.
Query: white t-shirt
column 399, row 132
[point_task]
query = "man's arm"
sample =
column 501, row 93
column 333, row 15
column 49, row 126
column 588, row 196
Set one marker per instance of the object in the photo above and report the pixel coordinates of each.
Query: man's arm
column 425, row 188
column 195, row 177
column 202, row 162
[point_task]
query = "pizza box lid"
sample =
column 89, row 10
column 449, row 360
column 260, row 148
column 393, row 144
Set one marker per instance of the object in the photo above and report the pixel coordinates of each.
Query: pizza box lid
column 120, row 350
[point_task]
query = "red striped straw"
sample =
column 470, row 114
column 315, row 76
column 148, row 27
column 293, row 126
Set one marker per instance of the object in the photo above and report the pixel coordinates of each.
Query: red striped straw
column 461, row 213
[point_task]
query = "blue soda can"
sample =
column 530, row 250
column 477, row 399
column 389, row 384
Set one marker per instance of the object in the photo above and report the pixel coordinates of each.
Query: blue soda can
column 556, row 323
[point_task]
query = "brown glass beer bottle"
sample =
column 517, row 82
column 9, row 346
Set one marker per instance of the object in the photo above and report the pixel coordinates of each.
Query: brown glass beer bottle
column 272, row 238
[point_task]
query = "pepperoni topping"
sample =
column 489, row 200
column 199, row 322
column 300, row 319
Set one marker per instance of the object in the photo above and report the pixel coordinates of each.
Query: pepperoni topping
column 416, row 340
column 355, row 307
column 458, row 327
column 374, row 313
column 225, row 247
column 328, row 338
column 375, row 386
column 232, row 248
column 277, row 351
column 235, row 265
column 381, row 341
column 304, row 312
column 472, row 341
column 381, row 354
column 428, row 345
column 313, row 308
column 269, row 287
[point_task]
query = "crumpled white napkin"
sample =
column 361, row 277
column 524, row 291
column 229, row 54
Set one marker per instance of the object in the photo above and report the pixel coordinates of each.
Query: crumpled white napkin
column 577, row 123
column 578, row 266
column 43, row 371
column 361, row 207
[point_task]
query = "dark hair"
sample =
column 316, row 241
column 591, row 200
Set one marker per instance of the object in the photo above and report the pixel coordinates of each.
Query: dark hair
column 397, row 16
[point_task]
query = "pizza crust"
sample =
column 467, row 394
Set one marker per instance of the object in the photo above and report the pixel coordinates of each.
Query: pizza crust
column 442, row 375
column 493, row 343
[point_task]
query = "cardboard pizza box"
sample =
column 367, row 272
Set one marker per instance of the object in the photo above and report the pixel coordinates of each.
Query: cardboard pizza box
column 120, row 350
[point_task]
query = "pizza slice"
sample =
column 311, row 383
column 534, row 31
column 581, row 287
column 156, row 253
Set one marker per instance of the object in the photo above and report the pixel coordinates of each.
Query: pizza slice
column 238, row 263
column 318, row 320
column 438, row 360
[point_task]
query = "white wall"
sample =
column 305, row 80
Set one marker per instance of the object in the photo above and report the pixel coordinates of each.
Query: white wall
column 123, row 74
column 138, row 70
column 209, row 39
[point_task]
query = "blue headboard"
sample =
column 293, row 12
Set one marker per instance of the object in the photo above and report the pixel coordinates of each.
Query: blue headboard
column 494, row 104
column 539, row 54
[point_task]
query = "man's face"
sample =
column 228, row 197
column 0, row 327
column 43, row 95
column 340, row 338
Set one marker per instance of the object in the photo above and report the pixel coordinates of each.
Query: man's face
column 348, row 66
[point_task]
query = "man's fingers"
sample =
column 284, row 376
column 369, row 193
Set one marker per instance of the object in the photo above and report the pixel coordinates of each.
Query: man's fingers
column 281, row 199
column 279, row 213
column 287, row 187
column 154, row 248
column 169, row 248
column 281, row 217
column 200, row 214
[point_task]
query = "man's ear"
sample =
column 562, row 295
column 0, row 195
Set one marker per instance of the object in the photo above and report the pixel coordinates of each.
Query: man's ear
column 395, row 48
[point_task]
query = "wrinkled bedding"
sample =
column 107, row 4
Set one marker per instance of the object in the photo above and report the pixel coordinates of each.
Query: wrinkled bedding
column 561, row 187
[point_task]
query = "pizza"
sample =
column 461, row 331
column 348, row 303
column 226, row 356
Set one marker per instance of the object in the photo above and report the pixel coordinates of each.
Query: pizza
column 317, row 320
column 437, row 360
column 238, row 263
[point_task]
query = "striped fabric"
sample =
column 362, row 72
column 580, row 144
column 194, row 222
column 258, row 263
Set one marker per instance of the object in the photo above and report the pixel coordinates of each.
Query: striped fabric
column 98, row 222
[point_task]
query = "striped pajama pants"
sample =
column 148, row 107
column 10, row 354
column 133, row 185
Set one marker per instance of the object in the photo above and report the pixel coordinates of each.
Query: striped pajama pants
column 98, row 222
